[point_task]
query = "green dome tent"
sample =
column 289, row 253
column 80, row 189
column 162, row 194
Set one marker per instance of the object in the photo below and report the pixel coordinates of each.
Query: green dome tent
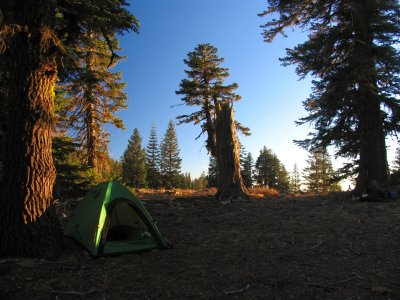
column 111, row 221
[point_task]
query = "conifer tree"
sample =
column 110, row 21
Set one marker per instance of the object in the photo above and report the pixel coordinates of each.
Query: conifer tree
column 270, row 172
column 246, row 167
column 204, row 87
column 212, row 172
column 153, row 160
column 33, row 37
column 295, row 180
column 170, row 162
column 319, row 175
column 396, row 161
column 115, row 172
column 93, row 95
column 248, row 170
column 188, row 181
column 395, row 170
column 201, row 182
column 351, row 52
column 134, row 169
column 73, row 178
column 242, row 155
column 184, row 181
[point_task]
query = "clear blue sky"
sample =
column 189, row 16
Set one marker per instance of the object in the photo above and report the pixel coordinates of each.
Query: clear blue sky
column 271, row 94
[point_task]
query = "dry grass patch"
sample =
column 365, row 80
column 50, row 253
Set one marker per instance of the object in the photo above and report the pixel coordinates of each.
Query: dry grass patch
column 264, row 191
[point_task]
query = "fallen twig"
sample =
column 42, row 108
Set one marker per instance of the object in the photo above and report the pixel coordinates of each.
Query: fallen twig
column 351, row 298
column 71, row 292
column 316, row 246
column 346, row 280
column 238, row 291
column 358, row 276
column 321, row 285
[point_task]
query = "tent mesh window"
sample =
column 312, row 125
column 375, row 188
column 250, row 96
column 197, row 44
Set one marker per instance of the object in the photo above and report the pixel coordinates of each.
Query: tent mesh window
column 126, row 224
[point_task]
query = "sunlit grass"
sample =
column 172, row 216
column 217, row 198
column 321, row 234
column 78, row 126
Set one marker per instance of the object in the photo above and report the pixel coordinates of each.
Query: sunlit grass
column 145, row 193
column 263, row 191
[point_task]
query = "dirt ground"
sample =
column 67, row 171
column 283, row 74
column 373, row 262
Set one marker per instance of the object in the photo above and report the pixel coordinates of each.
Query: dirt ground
column 331, row 247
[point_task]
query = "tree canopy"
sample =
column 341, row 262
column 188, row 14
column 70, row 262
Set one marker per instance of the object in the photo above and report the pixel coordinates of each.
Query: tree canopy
column 319, row 175
column 351, row 53
column 270, row 172
column 204, row 87
column 92, row 94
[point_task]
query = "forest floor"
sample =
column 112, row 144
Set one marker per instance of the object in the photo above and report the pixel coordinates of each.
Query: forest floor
column 315, row 247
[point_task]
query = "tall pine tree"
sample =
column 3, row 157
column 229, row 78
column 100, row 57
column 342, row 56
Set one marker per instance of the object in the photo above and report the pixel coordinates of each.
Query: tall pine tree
column 184, row 181
column 170, row 161
column 351, row 52
column 115, row 172
column 134, row 169
column 204, row 87
column 295, row 180
column 33, row 37
column 319, row 175
column 212, row 172
column 153, row 160
column 93, row 95
column 246, row 167
column 396, row 162
column 201, row 182
column 270, row 172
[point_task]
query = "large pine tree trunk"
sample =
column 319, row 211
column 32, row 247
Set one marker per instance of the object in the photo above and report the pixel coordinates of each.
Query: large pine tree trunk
column 91, row 137
column 211, row 134
column 28, row 223
column 229, row 181
column 3, row 107
column 373, row 164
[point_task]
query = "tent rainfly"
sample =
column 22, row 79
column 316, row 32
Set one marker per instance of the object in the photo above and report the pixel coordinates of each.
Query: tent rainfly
column 112, row 221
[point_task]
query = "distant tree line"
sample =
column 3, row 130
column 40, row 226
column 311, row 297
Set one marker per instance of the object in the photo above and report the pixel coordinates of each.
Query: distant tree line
column 268, row 171
column 156, row 166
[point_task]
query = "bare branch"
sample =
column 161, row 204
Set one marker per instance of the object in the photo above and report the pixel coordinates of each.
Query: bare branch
column 113, row 54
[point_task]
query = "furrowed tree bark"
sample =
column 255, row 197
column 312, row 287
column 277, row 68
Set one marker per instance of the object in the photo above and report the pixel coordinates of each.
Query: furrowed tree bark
column 229, row 181
column 28, row 223
column 373, row 156
column 211, row 143
column 91, row 137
